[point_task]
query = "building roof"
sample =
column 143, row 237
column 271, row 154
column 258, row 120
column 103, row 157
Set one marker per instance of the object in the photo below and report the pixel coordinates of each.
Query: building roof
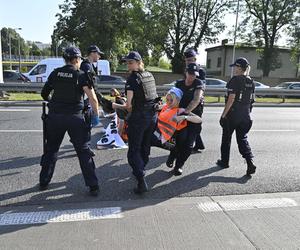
column 244, row 46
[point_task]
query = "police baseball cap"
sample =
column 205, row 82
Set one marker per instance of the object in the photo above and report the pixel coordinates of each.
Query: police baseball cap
column 133, row 55
column 72, row 52
column 240, row 62
column 193, row 69
column 190, row 53
column 94, row 48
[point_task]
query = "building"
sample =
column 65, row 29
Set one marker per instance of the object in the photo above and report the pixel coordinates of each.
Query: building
column 220, row 57
column 42, row 46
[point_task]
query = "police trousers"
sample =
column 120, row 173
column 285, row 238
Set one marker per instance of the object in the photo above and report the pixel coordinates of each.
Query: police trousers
column 57, row 125
column 185, row 139
column 241, row 128
column 141, row 125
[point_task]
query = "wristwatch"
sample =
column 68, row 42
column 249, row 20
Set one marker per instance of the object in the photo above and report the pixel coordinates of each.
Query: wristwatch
column 185, row 117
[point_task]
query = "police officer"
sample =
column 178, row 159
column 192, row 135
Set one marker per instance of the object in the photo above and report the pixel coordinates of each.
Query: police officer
column 141, row 94
column 193, row 89
column 190, row 57
column 236, row 114
column 69, row 84
column 89, row 66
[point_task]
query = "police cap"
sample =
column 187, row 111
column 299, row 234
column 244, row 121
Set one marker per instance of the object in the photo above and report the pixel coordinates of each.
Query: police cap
column 133, row 55
column 193, row 69
column 72, row 52
column 190, row 53
column 240, row 62
column 94, row 48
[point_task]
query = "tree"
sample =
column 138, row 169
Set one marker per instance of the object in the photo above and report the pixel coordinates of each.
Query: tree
column 294, row 41
column 183, row 23
column 15, row 38
column 267, row 19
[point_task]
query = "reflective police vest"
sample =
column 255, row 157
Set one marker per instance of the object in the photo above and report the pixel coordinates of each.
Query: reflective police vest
column 147, row 81
column 166, row 123
column 65, row 86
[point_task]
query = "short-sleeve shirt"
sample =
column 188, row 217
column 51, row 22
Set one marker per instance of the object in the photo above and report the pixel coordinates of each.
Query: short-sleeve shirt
column 188, row 93
column 61, row 104
column 139, row 101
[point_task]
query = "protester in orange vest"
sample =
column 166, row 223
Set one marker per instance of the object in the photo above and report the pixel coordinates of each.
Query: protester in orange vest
column 169, row 121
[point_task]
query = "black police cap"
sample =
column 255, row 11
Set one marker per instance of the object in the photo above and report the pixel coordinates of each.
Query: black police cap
column 240, row 62
column 190, row 53
column 72, row 52
column 94, row 48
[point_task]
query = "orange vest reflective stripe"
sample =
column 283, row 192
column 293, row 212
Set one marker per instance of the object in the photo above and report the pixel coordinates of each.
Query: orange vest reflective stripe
column 166, row 123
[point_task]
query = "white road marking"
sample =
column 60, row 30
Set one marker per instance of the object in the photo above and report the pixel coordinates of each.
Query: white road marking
column 20, row 131
column 60, row 216
column 15, row 110
column 232, row 205
column 272, row 130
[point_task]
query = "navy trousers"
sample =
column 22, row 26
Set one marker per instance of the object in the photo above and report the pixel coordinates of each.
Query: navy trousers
column 141, row 125
column 57, row 125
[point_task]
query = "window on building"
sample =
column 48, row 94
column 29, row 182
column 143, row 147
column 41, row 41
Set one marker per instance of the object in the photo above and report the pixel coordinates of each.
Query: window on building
column 259, row 64
column 219, row 62
column 208, row 63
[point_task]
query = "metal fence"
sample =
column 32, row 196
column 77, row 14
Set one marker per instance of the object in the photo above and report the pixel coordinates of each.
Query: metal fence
column 162, row 90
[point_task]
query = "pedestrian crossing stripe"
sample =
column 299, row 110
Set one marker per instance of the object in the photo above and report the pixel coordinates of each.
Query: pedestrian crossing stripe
column 42, row 217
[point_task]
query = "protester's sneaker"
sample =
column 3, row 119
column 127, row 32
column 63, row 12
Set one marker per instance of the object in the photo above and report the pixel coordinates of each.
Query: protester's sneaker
column 170, row 162
column 221, row 164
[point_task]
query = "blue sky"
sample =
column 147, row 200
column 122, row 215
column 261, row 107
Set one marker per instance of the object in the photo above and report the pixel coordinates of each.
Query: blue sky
column 35, row 17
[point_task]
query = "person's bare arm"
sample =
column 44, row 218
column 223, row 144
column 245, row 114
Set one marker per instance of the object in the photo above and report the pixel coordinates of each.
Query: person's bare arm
column 196, row 100
column 128, row 104
column 92, row 98
column 191, row 117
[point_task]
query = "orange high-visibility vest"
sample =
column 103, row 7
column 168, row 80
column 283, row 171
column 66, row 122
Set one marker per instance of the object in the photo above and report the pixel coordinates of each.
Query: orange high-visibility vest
column 166, row 123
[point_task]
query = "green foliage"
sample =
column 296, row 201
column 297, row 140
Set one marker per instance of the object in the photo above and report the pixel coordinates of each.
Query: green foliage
column 263, row 25
column 164, row 64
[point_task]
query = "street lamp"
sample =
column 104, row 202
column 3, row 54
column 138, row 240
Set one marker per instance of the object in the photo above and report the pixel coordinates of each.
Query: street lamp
column 235, row 28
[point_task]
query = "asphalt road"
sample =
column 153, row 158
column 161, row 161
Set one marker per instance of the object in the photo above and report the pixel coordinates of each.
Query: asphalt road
column 274, row 139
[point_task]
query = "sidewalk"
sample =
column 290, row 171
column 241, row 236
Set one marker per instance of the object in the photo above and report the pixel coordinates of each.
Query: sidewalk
column 260, row 221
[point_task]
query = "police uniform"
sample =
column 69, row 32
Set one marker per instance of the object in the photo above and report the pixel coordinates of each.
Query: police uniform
column 65, row 115
column 142, row 120
column 238, row 118
column 186, row 137
column 199, row 145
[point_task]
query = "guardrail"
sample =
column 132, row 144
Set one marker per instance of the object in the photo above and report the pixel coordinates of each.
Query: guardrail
column 161, row 90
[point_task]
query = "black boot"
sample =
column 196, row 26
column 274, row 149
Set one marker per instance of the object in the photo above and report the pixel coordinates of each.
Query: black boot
column 142, row 186
column 222, row 164
column 250, row 167
column 170, row 162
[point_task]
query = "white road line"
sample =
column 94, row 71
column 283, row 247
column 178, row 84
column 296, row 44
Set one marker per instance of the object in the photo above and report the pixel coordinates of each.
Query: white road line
column 60, row 216
column 272, row 130
column 15, row 110
column 20, row 131
column 232, row 205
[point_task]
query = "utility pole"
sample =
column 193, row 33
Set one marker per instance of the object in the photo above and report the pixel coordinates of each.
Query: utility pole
column 9, row 37
column 235, row 28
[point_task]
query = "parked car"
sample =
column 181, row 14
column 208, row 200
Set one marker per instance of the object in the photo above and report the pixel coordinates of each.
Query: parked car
column 215, row 83
column 111, row 80
column 259, row 85
column 41, row 71
column 14, row 76
column 288, row 85
column 210, row 83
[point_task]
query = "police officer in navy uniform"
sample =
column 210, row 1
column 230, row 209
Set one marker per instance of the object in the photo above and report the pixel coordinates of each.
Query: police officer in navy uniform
column 193, row 90
column 236, row 114
column 190, row 57
column 141, row 94
column 90, row 68
column 89, row 65
column 68, row 85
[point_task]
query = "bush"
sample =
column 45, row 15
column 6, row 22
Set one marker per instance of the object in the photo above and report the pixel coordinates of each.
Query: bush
column 164, row 64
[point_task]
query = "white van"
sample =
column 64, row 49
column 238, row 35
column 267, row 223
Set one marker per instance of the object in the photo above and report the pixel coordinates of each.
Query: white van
column 41, row 71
